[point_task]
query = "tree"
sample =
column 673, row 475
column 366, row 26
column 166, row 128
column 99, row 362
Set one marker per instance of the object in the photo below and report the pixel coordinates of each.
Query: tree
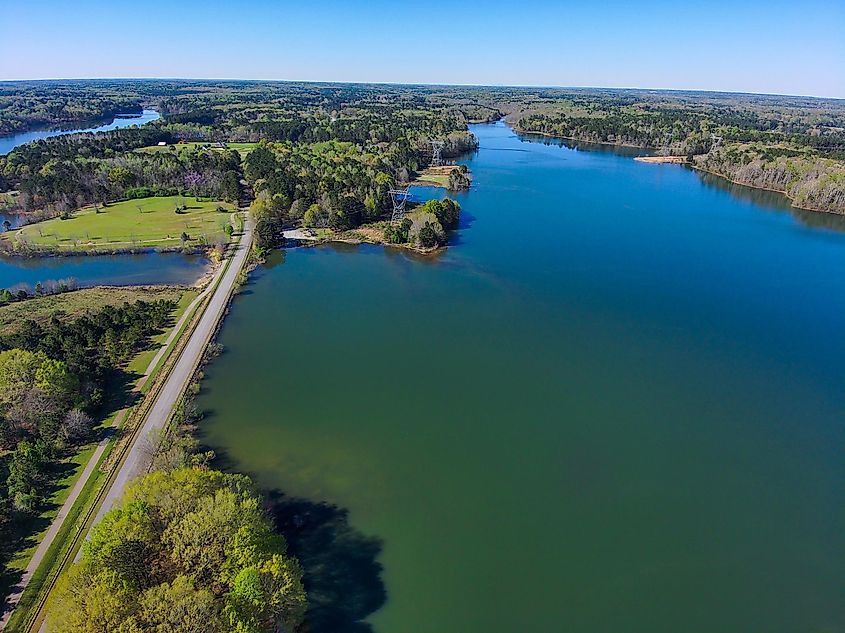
column 178, row 607
column 297, row 209
column 397, row 233
column 230, row 186
column 269, row 233
column 18, row 369
column 188, row 550
column 425, row 230
column 313, row 216
column 120, row 177
column 77, row 425
column 26, row 475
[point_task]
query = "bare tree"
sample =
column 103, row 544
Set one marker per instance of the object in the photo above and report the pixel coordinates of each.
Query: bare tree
column 77, row 425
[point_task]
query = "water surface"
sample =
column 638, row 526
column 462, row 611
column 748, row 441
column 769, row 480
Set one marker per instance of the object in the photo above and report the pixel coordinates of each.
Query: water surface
column 8, row 143
column 118, row 270
column 615, row 404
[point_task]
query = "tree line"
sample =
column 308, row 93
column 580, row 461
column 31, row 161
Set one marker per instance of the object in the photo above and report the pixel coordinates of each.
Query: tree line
column 53, row 383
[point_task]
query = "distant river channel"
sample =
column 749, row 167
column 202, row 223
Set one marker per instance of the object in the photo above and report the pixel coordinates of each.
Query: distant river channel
column 145, row 268
column 8, row 143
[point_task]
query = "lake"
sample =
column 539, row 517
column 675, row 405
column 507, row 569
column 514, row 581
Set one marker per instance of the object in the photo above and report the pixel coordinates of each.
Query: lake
column 614, row 403
column 117, row 270
column 8, row 143
column 144, row 268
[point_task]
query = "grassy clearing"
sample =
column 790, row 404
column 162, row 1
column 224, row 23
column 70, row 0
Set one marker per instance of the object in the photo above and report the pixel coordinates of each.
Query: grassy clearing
column 432, row 180
column 84, row 301
column 241, row 148
column 435, row 176
column 141, row 223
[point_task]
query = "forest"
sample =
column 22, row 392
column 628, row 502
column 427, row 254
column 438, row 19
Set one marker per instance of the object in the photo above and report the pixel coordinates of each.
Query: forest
column 27, row 105
column 193, row 549
column 55, row 379
column 340, row 147
column 795, row 145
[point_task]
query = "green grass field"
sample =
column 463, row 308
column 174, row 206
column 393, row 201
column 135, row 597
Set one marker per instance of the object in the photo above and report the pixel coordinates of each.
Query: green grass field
column 431, row 180
column 241, row 148
column 141, row 223
column 85, row 301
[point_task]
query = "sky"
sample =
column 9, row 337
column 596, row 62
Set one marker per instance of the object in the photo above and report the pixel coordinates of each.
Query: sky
column 771, row 46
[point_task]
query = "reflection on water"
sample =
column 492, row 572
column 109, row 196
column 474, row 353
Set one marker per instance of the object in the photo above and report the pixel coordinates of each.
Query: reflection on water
column 761, row 197
column 146, row 268
column 621, row 391
column 773, row 199
column 619, row 150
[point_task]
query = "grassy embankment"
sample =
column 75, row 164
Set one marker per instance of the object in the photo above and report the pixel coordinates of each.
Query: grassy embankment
column 127, row 225
column 74, row 305
column 434, row 176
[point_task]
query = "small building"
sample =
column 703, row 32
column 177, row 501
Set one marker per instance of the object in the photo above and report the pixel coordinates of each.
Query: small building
column 162, row 143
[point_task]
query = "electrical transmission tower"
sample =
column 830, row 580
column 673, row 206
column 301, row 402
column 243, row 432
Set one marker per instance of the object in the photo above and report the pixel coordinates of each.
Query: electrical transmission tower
column 716, row 141
column 436, row 150
column 399, row 198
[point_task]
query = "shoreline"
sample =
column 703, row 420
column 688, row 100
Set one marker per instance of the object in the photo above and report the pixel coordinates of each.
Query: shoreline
column 148, row 250
column 672, row 160
column 761, row 188
column 575, row 139
column 358, row 241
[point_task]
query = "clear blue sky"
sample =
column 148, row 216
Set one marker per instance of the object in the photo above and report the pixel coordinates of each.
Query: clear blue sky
column 794, row 47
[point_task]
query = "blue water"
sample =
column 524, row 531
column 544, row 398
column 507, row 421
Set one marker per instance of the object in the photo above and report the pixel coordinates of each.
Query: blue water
column 614, row 404
column 146, row 268
column 8, row 143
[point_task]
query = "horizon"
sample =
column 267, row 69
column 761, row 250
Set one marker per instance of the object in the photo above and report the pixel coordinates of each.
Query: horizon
column 412, row 84
column 776, row 48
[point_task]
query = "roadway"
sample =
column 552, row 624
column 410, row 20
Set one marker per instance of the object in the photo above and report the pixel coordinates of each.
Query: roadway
column 138, row 459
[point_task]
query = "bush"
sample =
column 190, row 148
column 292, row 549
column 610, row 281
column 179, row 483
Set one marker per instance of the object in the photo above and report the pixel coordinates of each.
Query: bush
column 425, row 230
column 397, row 233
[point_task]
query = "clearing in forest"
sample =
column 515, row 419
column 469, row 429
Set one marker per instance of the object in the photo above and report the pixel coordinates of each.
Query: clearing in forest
column 140, row 223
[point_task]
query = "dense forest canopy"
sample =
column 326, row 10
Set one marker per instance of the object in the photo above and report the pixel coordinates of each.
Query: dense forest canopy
column 374, row 129
column 190, row 550
column 791, row 144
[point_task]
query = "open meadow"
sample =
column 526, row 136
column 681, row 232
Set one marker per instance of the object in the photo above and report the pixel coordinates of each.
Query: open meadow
column 130, row 224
